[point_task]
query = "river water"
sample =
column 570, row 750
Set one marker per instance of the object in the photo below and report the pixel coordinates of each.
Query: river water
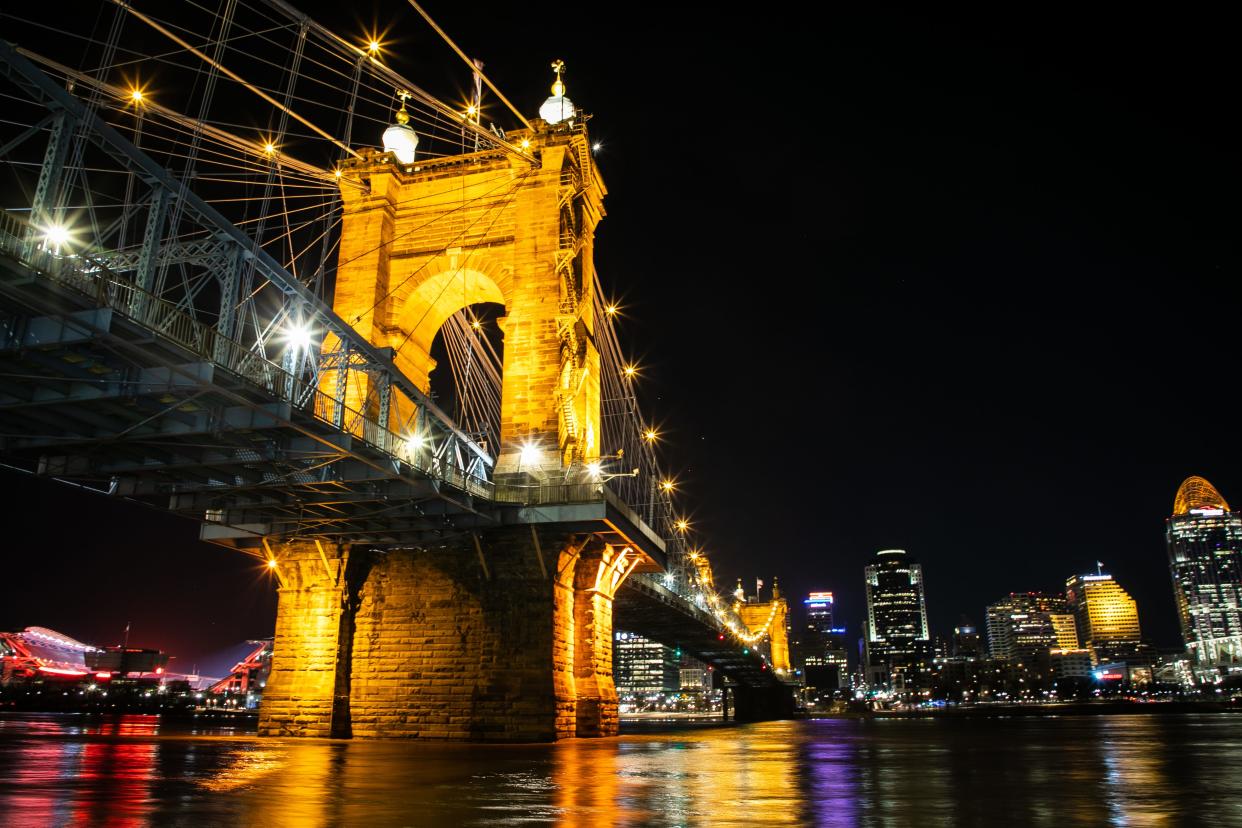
column 1174, row 770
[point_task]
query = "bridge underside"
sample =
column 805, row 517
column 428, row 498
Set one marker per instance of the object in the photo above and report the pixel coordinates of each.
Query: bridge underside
column 90, row 395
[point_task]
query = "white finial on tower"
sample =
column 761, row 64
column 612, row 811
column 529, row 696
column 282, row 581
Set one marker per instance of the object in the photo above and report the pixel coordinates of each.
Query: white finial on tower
column 558, row 107
column 400, row 138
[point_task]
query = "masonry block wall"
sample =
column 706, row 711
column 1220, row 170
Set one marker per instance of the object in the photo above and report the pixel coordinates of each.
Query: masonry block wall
column 435, row 644
column 301, row 692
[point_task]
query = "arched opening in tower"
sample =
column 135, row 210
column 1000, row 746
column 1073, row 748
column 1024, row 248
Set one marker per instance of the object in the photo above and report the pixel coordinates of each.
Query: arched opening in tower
column 468, row 351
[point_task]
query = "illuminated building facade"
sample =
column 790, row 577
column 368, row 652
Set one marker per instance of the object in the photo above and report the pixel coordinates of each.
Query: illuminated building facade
column 1025, row 625
column 1204, row 540
column 896, row 635
column 1106, row 617
column 644, row 667
column 824, row 656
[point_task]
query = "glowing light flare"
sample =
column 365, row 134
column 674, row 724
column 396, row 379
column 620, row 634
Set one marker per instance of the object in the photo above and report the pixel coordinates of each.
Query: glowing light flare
column 525, row 143
column 269, row 148
column 56, row 236
column 629, row 371
column 651, row 435
column 300, row 336
column 682, row 525
column 667, row 485
column 611, row 310
column 337, row 172
column 530, row 454
column 594, row 469
column 137, row 96
column 373, row 48
column 415, row 442
column 597, row 146
column 271, row 563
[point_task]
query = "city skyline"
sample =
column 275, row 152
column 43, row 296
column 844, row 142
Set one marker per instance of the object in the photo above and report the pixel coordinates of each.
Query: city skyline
column 979, row 263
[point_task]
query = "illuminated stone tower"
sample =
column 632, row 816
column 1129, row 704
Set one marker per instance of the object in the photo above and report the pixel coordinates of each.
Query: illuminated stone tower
column 1204, row 540
column 503, row 633
column 423, row 238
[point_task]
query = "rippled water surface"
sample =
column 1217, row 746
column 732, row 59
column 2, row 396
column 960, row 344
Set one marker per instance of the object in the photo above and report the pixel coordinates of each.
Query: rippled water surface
column 1169, row 770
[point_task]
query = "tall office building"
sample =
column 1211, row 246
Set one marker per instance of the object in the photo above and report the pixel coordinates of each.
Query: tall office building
column 819, row 608
column 1029, row 624
column 1204, row 540
column 896, row 635
column 1106, row 617
column 824, row 655
column 643, row 667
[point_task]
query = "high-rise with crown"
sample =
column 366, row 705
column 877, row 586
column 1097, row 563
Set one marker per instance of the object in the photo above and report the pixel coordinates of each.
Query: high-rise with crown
column 1204, row 540
column 896, row 635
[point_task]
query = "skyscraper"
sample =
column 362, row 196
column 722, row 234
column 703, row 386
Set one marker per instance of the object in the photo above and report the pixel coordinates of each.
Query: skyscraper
column 1106, row 617
column 1029, row 624
column 824, row 656
column 1204, row 540
column 896, row 634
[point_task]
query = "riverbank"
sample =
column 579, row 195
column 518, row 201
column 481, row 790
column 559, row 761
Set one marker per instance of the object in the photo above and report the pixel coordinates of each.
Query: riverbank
column 1095, row 707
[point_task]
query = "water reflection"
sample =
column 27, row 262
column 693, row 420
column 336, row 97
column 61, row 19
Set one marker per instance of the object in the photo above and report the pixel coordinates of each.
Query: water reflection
column 1120, row 770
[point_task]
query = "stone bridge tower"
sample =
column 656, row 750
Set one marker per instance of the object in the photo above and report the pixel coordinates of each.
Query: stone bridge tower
column 423, row 238
column 503, row 633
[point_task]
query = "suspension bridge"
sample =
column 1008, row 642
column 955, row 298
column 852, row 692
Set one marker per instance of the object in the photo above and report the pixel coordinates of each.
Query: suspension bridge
column 366, row 343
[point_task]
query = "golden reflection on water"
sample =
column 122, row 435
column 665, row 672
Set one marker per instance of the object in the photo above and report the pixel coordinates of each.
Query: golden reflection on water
column 1132, row 770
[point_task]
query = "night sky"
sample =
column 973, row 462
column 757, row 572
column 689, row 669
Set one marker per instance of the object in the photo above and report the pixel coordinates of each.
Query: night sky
column 965, row 286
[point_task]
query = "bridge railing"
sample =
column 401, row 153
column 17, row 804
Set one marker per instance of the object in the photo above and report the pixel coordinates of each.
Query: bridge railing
column 235, row 305
column 88, row 275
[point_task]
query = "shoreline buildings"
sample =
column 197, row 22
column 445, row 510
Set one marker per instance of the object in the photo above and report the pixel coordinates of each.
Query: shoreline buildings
column 1204, row 541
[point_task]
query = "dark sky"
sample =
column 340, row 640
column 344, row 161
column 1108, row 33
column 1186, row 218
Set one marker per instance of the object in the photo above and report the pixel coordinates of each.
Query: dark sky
column 964, row 285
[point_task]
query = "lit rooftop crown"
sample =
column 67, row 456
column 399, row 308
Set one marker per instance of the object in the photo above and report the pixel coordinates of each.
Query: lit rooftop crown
column 1197, row 493
column 558, row 107
column 400, row 138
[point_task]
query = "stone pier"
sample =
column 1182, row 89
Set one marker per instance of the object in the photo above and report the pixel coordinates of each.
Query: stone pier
column 504, row 636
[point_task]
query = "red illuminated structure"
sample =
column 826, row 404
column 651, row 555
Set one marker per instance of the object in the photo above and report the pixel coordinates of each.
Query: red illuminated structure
column 38, row 652
column 248, row 677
